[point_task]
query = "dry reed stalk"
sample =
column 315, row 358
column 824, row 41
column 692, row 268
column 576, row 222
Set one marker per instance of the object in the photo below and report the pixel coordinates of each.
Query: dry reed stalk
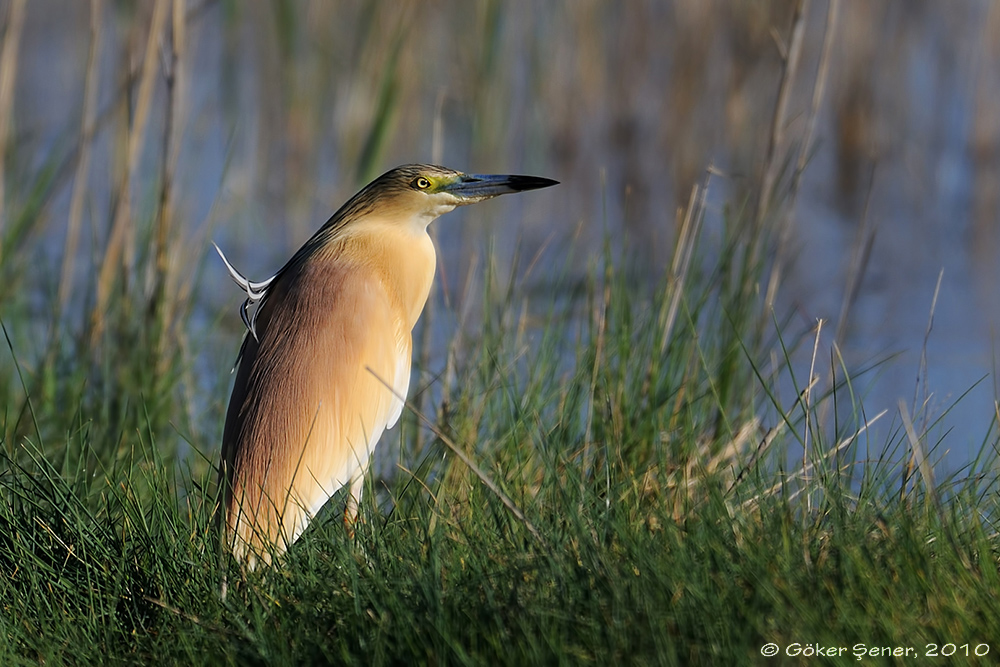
column 922, row 377
column 163, row 305
column 806, row 407
column 921, row 380
column 87, row 130
column 819, row 87
column 790, row 66
column 680, row 265
column 918, row 456
column 115, row 250
column 8, row 77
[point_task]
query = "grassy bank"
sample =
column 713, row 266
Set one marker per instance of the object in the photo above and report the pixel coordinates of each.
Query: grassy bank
column 636, row 498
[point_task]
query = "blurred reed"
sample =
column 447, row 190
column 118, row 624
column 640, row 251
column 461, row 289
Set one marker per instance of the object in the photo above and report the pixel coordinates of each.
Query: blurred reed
column 9, row 57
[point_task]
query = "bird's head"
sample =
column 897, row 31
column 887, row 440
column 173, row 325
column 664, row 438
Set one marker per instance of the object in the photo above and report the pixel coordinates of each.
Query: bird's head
column 422, row 192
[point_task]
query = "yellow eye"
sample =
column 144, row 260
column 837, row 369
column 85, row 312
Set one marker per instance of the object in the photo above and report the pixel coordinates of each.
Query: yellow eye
column 422, row 183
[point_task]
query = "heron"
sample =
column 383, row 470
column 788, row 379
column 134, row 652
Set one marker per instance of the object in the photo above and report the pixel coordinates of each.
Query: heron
column 324, row 365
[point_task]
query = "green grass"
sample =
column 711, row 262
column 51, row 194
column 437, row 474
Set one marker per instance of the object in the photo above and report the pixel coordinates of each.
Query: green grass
column 668, row 532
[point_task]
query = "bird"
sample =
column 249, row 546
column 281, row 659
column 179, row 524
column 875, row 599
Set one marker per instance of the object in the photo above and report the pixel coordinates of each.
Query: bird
column 324, row 365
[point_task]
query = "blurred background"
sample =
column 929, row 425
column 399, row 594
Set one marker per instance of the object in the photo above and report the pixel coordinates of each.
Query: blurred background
column 135, row 133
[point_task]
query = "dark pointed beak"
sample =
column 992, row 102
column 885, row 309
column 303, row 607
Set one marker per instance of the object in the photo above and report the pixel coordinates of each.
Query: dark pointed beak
column 477, row 187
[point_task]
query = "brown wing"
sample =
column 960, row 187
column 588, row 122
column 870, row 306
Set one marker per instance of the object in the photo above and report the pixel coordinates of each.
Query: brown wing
column 306, row 412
